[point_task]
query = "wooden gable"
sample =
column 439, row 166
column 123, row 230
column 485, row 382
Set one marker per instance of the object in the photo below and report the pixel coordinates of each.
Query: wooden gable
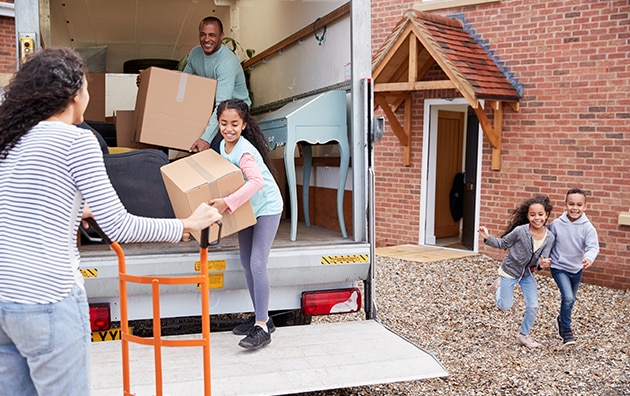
column 418, row 44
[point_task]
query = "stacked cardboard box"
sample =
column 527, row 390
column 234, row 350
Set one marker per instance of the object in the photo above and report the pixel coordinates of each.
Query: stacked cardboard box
column 172, row 108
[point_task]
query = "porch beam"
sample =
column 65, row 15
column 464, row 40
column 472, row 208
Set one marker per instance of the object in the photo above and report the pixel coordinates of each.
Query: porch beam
column 407, row 122
column 486, row 126
column 414, row 86
column 398, row 130
column 498, row 132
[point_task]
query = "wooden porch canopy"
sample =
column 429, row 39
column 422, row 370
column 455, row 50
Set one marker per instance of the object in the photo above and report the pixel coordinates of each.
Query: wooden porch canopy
column 419, row 42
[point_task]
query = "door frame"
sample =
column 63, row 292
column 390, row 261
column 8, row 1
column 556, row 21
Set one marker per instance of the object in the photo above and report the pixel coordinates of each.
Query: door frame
column 427, row 190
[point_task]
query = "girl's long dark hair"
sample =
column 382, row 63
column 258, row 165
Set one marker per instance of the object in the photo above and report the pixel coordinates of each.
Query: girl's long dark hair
column 43, row 86
column 252, row 131
column 519, row 215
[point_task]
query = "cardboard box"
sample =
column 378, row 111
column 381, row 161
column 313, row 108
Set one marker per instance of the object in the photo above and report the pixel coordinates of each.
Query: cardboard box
column 201, row 177
column 172, row 108
column 95, row 110
column 110, row 92
column 125, row 129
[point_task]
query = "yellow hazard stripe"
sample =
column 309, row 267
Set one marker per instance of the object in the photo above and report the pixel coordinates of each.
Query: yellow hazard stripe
column 345, row 259
column 89, row 272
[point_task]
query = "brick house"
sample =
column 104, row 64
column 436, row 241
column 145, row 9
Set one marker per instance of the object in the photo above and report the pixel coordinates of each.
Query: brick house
column 567, row 127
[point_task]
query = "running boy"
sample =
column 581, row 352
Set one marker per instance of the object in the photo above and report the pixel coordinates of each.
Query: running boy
column 574, row 251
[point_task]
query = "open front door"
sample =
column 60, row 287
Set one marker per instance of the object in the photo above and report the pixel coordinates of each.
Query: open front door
column 450, row 139
column 451, row 158
column 470, row 180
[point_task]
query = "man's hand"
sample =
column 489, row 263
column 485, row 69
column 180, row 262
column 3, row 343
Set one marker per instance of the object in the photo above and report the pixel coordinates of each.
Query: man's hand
column 199, row 145
column 138, row 79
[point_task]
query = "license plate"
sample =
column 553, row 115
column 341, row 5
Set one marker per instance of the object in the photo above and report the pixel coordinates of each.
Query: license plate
column 107, row 335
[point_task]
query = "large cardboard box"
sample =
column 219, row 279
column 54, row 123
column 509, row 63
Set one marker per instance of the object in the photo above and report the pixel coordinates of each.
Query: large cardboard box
column 201, row 177
column 125, row 130
column 172, row 108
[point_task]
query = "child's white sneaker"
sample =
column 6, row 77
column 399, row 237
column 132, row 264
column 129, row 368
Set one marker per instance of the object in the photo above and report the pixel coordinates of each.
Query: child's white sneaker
column 527, row 341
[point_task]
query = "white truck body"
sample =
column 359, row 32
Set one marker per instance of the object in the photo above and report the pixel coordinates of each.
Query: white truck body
column 300, row 358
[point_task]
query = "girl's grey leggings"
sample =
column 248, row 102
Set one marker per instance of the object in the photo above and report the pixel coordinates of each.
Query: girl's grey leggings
column 255, row 245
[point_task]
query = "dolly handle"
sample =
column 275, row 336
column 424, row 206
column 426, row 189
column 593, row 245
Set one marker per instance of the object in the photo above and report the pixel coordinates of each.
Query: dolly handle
column 99, row 231
column 205, row 235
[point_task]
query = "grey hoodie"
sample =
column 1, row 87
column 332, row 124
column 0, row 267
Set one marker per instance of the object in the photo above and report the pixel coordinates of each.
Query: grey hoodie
column 521, row 256
column 574, row 241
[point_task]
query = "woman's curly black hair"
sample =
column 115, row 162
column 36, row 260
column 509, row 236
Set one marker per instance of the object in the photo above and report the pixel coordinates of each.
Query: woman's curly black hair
column 42, row 87
column 519, row 215
column 252, row 131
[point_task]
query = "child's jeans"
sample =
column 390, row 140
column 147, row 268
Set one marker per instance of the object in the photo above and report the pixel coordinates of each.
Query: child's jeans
column 568, row 284
column 505, row 299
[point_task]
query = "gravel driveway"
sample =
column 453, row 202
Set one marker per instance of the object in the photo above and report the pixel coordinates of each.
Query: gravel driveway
column 445, row 308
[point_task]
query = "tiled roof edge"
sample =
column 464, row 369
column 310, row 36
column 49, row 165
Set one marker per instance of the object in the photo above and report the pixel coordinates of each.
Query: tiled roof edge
column 484, row 44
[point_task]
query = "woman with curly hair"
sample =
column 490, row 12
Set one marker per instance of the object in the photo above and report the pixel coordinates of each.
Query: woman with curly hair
column 49, row 170
column 529, row 243
column 246, row 147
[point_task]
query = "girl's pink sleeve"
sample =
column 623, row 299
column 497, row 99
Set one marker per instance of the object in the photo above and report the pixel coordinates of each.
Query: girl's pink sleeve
column 254, row 182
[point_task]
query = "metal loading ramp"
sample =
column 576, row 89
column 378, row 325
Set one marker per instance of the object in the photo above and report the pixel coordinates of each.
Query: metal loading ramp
column 299, row 359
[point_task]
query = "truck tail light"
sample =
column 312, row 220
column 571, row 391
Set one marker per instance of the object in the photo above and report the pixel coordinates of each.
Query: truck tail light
column 325, row 302
column 100, row 318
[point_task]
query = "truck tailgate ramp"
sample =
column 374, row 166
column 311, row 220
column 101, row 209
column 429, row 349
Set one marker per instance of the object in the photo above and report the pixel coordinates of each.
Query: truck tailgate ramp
column 299, row 359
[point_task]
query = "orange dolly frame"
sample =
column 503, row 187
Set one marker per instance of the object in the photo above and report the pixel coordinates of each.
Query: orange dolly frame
column 157, row 341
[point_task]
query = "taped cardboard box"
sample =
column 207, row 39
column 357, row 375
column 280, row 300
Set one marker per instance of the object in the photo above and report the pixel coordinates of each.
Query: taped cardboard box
column 201, row 177
column 172, row 108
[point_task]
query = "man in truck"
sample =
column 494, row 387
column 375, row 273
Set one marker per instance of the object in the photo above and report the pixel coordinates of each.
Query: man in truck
column 214, row 60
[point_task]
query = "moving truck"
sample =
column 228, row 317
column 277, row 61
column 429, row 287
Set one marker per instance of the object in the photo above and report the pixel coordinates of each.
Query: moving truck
column 312, row 48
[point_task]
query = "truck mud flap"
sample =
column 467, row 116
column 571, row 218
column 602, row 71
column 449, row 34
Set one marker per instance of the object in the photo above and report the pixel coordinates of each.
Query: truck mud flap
column 299, row 359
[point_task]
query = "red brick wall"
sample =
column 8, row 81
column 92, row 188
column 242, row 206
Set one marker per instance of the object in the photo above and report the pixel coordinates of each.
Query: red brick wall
column 573, row 129
column 8, row 55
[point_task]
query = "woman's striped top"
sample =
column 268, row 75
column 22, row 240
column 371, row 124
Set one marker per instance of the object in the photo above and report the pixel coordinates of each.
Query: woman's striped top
column 44, row 182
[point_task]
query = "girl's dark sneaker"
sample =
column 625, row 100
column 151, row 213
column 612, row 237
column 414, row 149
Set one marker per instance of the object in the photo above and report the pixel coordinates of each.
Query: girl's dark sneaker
column 246, row 327
column 257, row 338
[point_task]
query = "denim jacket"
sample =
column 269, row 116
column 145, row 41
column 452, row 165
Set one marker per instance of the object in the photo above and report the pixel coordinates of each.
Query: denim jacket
column 521, row 256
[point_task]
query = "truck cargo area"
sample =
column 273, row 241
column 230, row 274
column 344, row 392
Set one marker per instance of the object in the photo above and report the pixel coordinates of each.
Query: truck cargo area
column 299, row 359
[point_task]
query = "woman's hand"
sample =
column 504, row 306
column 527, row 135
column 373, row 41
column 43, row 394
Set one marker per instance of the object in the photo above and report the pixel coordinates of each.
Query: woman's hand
column 87, row 213
column 483, row 232
column 203, row 217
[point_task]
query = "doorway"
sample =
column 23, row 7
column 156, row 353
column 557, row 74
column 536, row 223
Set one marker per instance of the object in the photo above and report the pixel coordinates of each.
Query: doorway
column 449, row 195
